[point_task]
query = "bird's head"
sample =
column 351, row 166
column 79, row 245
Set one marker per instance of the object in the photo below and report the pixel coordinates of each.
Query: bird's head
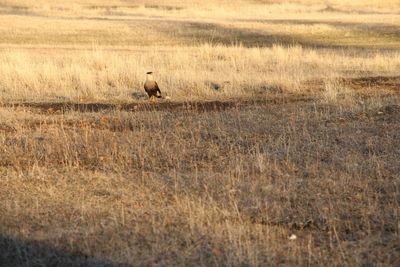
column 149, row 76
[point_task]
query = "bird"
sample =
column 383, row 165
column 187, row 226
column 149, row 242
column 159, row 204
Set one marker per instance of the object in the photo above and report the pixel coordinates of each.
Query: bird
column 151, row 86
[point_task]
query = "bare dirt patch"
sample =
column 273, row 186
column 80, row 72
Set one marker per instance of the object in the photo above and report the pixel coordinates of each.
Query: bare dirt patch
column 379, row 85
column 198, row 106
column 391, row 83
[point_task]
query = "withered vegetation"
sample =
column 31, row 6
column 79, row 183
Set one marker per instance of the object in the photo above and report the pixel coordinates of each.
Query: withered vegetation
column 280, row 149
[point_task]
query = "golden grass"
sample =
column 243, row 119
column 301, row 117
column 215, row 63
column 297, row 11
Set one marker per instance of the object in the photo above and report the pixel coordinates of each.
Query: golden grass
column 284, row 121
column 190, row 73
column 93, row 51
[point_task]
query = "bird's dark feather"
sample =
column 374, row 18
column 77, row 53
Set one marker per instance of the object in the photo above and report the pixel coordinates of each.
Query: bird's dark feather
column 152, row 89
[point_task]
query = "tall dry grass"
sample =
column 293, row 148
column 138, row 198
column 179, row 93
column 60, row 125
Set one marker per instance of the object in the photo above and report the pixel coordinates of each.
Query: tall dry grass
column 97, row 51
column 191, row 73
column 275, row 179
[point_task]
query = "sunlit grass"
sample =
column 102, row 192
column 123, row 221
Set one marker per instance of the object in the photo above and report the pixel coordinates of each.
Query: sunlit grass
column 191, row 73
column 283, row 121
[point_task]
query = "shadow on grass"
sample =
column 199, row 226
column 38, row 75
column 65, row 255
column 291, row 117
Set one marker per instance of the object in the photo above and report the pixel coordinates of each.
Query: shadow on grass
column 379, row 29
column 195, row 32
column 368, row 36
column 190, row 32
column 218, row 34
column 17, row 252
column 197, row 106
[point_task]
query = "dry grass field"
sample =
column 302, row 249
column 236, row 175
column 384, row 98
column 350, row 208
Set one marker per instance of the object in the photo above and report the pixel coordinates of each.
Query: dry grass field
column 280, row 145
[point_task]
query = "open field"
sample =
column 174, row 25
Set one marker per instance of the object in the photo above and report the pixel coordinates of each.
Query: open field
column 284, row 120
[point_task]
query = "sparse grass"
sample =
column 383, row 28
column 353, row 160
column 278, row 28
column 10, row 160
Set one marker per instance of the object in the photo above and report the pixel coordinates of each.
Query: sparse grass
column 284, row 120
column 112, row 185
column 336, row 92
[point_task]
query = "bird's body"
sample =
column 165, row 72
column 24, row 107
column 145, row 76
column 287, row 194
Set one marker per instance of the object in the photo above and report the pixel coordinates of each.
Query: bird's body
column 151, row 86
